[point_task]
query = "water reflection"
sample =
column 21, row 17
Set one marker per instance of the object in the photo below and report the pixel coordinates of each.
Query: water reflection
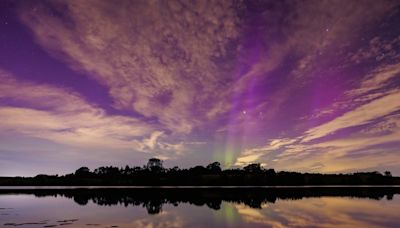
column 283, row 207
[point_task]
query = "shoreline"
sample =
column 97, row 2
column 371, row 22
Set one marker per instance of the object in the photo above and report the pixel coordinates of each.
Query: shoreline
column 194, row 187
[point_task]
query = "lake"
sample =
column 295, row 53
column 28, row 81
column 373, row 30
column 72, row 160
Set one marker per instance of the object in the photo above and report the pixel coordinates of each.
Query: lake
column 200, row 207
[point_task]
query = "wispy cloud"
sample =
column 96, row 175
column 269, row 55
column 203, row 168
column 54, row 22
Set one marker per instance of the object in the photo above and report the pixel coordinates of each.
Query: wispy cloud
column 63, row 116
column 359, row 116
column 252, row 155
column 372, row 131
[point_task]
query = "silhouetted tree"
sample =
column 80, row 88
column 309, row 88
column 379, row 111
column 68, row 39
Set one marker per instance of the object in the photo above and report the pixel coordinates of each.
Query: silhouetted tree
column 214, row 167
column 174, row 169
column 197, row 170
column 83, row 171
column 107, row 171
column 270, row 172
column 155, row 165
column 253, row 168
column 388, row 174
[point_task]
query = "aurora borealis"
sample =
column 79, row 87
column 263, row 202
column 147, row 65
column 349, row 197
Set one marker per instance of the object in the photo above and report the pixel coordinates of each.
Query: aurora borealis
column 311, row 86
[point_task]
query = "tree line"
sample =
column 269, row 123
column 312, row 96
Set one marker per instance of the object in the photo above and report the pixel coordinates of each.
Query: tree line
column 155, row 174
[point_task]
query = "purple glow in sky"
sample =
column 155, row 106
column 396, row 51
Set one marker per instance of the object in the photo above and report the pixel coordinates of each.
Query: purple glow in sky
column 311, row 86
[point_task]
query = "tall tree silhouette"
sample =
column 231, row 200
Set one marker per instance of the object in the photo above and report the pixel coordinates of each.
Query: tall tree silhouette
column 155, row 165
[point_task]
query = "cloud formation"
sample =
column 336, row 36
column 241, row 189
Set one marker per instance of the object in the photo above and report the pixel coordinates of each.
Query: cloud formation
column 290, row 84
column 359, row 116
column 364, row 137
column 62, row 116
column 161, row 59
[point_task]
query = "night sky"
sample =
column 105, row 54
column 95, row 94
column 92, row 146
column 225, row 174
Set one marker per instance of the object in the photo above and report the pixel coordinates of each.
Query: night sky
column 310, row 86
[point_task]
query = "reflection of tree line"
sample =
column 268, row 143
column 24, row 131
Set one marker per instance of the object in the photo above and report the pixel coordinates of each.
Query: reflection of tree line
column 154, row 198
column 155, row 174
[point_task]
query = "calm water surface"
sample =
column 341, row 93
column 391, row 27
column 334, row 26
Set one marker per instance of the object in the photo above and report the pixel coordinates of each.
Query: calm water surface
column 287, row 207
